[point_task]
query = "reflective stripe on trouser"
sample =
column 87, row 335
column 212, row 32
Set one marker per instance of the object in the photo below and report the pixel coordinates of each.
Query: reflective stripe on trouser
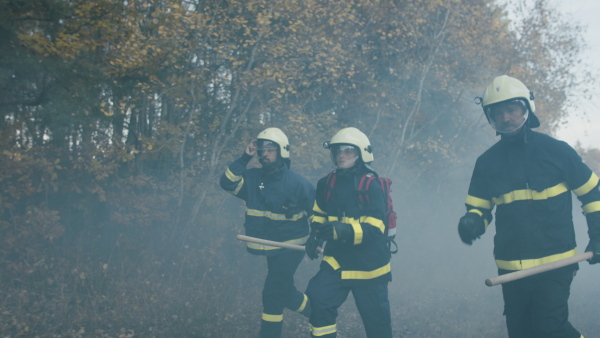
column 279, row 291
column 327, row 294
column 537, row 306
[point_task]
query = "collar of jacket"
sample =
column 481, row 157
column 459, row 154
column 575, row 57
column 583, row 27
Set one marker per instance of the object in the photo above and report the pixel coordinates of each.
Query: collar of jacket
column 522, row 137
column 275, row 171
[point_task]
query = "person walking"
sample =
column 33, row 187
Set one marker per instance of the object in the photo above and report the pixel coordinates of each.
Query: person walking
column 356, row 257
column 528, row 177
column 279, row 203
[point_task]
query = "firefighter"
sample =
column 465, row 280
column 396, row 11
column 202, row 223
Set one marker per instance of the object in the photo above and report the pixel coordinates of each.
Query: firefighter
column 278, row 203
column 356, row 257
column 529, row 177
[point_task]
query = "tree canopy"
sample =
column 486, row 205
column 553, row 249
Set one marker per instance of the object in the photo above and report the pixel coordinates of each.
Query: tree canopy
column 119, row 116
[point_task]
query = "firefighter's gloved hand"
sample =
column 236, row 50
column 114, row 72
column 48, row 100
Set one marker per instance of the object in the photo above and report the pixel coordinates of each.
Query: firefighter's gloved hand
column 312, row 246
column 336, row 230
column 470, row 227
column 594, row 247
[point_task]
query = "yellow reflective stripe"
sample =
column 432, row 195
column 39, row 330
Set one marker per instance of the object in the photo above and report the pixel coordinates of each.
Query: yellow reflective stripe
column 303, row 305
column 374, row 222
column 591, row 207
column 358, row 232
column 530, row 263
column 319, row 219
column 478, row 212
column 272, row 318
column 479, row 202
column 274, row 216
column 528, row 194
column 231, row 176
column 321, row 331
column 475, row 211
column 257, row 246
column 588, row 186
column 239, row 186
column 367, row 274
column 332, row 262
column 317, row 209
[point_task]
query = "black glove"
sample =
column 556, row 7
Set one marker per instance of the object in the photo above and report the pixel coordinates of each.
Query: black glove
column 470, row 227
column 336, row 230
column 594, row 247
column 312, row 245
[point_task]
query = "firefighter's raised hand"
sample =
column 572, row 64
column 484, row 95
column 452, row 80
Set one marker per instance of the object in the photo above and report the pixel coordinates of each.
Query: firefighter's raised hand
column 251, row 148
column 594, row 247
column 470, row 227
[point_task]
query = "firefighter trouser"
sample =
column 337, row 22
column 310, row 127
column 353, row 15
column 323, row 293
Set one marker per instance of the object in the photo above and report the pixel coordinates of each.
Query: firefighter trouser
column 537, row 306
column 279, row 292
column 327, row 294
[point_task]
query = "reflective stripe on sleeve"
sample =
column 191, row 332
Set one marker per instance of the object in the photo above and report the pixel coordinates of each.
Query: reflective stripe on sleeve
column 587, row 186
column 231, row 176
column 479, row 202
column 239, row 186
column 591, row 207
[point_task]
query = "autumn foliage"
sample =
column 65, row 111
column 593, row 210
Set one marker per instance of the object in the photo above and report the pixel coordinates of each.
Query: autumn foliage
column 119, row 116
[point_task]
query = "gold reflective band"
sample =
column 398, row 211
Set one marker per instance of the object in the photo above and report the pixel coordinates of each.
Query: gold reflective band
column 321, row 331
column 376, row 222
column 591, row 207
column 303, row 305
column 317, row 209
column 479, row 202
column 239, row 187
column 528, row 194
column 475, row 211
column 588, row 186
column 272, row 318
column 530, row 263
column 358, row 232
column 231, row 176
column 319, row 219
column 332, row 262
column 367, row 274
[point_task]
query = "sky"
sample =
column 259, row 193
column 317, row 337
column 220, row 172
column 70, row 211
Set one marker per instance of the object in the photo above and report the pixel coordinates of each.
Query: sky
column 584, row 128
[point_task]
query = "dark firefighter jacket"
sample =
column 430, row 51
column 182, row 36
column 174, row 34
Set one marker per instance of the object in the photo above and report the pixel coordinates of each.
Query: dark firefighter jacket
column 278, row 205
column 366, row 258
column 529, row 179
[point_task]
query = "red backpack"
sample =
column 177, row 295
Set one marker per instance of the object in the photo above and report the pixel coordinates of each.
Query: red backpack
column 363, row 197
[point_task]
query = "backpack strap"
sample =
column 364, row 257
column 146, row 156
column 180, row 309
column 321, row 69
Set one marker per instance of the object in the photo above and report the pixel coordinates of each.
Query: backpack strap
column 363, row 187
column 329, row 184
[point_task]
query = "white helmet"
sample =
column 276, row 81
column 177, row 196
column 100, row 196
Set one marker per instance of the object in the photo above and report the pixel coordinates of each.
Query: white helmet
column 505, row 89
column 356, row 138
column 276, row 136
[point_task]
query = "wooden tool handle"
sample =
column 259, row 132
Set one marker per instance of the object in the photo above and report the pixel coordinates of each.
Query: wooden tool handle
column 271, row 243
column 509, row 277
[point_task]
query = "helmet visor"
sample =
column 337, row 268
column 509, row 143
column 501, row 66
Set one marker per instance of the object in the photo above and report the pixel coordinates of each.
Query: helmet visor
column 266, row 145
column 343, row 155
column 508, row 116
